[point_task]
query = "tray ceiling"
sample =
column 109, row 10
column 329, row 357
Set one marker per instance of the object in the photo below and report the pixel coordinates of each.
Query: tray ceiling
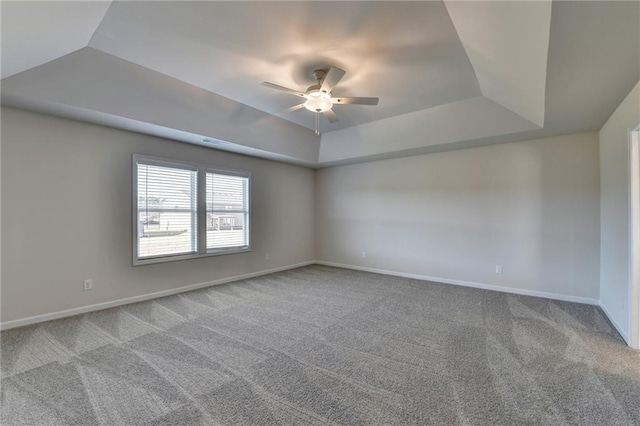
column 448, row 74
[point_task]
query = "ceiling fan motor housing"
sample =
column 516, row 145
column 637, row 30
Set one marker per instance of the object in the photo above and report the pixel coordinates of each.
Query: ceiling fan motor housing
column 319, row 75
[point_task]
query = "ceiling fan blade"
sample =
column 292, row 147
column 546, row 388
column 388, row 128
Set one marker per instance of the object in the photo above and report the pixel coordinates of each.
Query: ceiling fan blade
column 282, row 88
column 293, row 108
column 331, row 79
column 331, row 116
column 355, row 101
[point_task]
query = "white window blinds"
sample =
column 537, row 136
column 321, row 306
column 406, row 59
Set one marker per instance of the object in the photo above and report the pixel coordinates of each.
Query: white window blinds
column 187, row 210
column 227, row 211
column 166, row 210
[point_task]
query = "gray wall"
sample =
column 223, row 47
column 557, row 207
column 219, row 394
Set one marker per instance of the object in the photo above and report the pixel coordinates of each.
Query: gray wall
column 533, row 207
column 530, row 206
column 66, row 215
column 614, row 205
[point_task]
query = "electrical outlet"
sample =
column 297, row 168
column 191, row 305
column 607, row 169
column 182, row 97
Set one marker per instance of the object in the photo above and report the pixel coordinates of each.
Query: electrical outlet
column 363, row 254
column 88, row 284
column 499, row 269
column 266, row 256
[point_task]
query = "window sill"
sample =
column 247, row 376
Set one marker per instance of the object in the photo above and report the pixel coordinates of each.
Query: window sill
column 210, row 253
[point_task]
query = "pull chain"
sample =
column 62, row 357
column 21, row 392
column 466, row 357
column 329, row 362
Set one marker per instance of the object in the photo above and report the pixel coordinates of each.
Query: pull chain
column 317, row 124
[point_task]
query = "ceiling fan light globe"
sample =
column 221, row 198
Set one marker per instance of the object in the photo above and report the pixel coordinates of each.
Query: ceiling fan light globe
column 318, row 103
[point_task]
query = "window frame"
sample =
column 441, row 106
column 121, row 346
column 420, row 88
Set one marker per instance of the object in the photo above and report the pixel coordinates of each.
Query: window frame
column 235, row 173
column 201, row 209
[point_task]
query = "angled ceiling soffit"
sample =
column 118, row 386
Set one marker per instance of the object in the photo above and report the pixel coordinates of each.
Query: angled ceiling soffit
column 60, row 28
column 109, row 90
column 507, row 43
column 469, row 119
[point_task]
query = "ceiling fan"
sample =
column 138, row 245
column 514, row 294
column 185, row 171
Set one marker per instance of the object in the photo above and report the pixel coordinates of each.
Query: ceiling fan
column 319, row 97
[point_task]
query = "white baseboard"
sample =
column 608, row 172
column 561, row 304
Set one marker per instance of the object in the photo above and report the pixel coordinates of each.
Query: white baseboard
column 105, row 305
column 554, row 296
column 622, row 334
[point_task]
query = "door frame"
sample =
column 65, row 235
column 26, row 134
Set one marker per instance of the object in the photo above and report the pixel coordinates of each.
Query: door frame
column 634, row 235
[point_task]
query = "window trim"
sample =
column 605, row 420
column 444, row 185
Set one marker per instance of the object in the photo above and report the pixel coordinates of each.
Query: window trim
column 201, row 210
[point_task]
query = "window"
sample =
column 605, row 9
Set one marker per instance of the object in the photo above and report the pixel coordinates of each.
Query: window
column 183, row 211
column 227, row 211
column 167, row 211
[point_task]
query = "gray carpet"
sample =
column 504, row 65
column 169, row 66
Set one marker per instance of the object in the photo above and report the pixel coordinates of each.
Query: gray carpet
column 320, row 345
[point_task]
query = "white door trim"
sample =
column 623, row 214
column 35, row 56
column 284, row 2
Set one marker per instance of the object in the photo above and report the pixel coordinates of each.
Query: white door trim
column 634, row 236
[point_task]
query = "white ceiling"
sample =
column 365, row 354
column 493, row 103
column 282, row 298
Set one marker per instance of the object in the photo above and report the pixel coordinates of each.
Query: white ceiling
column 448, row 75
column 229, row 48
column 508, row 51
column 37, row 32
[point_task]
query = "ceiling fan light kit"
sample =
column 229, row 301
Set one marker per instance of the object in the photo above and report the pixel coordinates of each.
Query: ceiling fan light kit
column 319, row 98
column 318, row 101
